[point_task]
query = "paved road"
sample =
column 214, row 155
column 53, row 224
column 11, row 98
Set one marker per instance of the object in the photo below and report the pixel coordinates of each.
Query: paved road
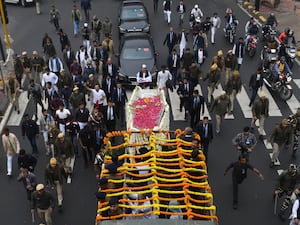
column 256, row 206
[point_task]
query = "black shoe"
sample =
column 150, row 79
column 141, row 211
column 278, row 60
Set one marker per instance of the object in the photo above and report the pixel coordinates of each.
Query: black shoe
column 271, row 164
column 261, row 138
column 18, row 111
column 281, row 216
column 180, row 109
column 235, row 205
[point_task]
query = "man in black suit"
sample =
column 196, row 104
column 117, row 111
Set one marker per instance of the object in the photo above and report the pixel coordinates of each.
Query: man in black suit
column 68, row 56
column 205, row 130
column 119, row 97
column 195, row 107
column 108, row 85
column 173, row 65
column 171, row 40
column 185, row 91
column 94, row 51
column 110, row 68
column 255, row 82
column 109, row 114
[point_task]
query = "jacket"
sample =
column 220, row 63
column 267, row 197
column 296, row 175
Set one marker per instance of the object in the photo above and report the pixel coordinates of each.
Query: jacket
column 260, row 108
column 54, row 174
column 213, row 77
column 233, row 84
column 231, row 62
column 27, row 162
column 222, row 105
column 254, row 83
column 11, row 144
column 123, row 96
column 31, row 179
column 200, row 130
column 63, row 149
column 43, row 201
column 30, row 128
column 287, row 183
column 281, row 135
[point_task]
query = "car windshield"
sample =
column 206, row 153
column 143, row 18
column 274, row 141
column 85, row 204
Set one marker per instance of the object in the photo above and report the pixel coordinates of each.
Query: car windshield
column 136, row 50
column 133, row 12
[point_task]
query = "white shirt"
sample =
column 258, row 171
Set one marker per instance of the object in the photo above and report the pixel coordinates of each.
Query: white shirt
column 162, row 78
column 143, row 79
column 215, row 21
column 295, row 209
column 110, row 113
column 197, row 13
column 62, row 114
column 98, row 96
column 51, row 77
column 200, row 56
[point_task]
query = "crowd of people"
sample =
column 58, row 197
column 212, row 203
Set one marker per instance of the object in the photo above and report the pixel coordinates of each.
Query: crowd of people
column 65, row 86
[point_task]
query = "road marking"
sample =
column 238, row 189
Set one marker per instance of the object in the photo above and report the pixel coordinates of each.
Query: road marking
column 15, row 118
column 206, row 112
column 268, row 145
column 280, row 172
column 273, row 108
column 216, row 94
column 276, row 163
column 175, row 102
column 244, row 100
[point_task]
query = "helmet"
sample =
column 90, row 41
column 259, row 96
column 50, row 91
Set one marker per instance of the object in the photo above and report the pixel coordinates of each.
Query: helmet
column 196, row 6
column 291, row 33
column 272, row 14
column 85, row 24
column 287, row 30
column 282, row 59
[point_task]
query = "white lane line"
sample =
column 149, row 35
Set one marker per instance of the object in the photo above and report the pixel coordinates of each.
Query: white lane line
column 244, row 100
column 206, row 113
column 268, row 145
column 15, row 118
column 175, row 103
column 273, row 108
column 276, row 163
column 280, row 172
column 216, row 94
column 293, row 103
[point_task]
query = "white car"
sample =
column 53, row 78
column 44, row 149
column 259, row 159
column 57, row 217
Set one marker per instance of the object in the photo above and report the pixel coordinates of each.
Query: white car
column 24, row 3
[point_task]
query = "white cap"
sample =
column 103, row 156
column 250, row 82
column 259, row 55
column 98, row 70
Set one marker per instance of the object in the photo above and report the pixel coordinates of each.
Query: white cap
column 85, row 24
column 144, row 66
column 196, row 6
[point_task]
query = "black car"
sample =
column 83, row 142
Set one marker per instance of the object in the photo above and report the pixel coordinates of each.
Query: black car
column 136, row 49
column 133, row 17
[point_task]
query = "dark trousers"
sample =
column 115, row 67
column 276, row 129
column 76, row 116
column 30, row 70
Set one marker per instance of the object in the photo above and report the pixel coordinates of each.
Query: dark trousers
column 111, row 125
column 235, row 183
column 205, row 144
column 195, row 117
column 174, row 73
column 29, row 194
column 88, row 153
column 35, row 102
column 253, row 96
column 32, row 140
column 120, row 110
column 183, row 103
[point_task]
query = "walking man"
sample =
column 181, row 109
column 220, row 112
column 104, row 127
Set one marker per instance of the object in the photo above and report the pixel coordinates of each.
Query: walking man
column 76, row 17
column 195, row 107
column 31, row 130
column 244, row 142
column 239, row 173
column 54, row 175
column 11, row 146
column 213, row 78
column 120, row 98
column 54, row 17
column 286, row 184
column 260, row 111
column 43, row 201
column 280, row 135
column 255, row 82
column 64, row 151
column 295, row 122
column 35, row 91
column 233, row 87
column 205, row 130
column 155, row 5
column 171, row 40
column 222, row 105
column 29, row 181
column 215, row 25
column 86, row 6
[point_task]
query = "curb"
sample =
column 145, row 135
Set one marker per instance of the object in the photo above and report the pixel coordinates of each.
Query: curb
column 5, row 117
